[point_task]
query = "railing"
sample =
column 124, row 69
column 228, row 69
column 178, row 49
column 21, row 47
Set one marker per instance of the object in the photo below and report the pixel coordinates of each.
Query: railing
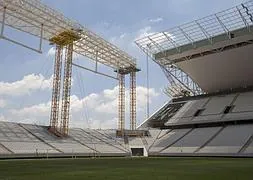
column 206, row 28
column 205, row 31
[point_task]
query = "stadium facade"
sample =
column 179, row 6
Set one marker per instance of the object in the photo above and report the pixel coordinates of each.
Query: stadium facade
column 208, row 65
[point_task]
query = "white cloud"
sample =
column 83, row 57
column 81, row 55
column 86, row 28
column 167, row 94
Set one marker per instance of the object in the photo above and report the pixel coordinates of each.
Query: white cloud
column 157, row 20
column 40, row 110
column 27, row 85
column 122, row 35
column 146, row 31
column 127, row 40
column 51, row 53
column 2, row 118
column 142, row 97
column 154, row 41
column 110, row 105
column 95, row 110
column 3, row 103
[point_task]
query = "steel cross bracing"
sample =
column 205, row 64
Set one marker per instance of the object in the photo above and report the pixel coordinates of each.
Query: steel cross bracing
column 180, row 83
column 64, row 128
column 37, row 19
column 121, row 101
column 133, row 101
column 205, row 30
column 56, row 89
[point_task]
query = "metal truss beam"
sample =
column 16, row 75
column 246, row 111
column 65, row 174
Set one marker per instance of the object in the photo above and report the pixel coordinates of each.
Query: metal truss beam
column 37, row 19
column 243, row 18
column 95, row 71
column 121, row 102
column 3, row 22
column 172, row 42
column 180, row 84
column 232, row 19
column 132, row 100
column 208, row 36
column 226, row 30
column 64, row 128
column 187, row 37
column 56, row 89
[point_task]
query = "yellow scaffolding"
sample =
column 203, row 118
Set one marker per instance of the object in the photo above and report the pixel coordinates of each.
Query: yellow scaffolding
column 62, row 40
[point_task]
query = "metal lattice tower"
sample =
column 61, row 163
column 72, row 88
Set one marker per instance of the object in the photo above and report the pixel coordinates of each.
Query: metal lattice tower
column 66, row 90
column 121, row 102
column 64, row 39
column 56, row 89
column 132, row 100
column 36, row 19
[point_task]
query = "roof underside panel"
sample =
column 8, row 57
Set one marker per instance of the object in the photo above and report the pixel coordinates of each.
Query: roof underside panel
column 33, row 17
column 226, row 70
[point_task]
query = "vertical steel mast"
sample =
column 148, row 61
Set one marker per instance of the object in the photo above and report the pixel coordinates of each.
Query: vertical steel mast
column 56, row 89
column 121, row 102
column 63, row 40
column 133, row 100
column 66, row 90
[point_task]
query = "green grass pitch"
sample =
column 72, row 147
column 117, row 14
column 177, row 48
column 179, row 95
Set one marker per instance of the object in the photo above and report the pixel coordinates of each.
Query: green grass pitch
column 128, row 168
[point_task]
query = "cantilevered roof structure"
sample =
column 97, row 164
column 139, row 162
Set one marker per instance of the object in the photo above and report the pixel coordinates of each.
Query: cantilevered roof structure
column 37, row 19
column 208, row 55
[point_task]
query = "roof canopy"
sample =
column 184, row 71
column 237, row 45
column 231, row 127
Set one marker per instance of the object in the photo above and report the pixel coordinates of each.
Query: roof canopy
column 35, row 18
column 203, row 30
column 214, row 52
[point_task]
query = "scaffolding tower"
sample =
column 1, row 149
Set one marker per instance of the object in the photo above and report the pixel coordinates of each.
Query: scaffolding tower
column 56, row 89
column 36, row 19
column 121, row 102
column 63, row 40
column 132, row 99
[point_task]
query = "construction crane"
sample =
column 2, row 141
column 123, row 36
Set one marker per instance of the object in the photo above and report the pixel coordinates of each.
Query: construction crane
column 37, row 19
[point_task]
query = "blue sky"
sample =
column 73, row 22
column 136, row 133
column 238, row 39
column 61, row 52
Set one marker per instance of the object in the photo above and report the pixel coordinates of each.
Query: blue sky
column 25, row 76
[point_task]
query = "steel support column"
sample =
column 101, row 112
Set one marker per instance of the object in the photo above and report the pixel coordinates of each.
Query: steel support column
column 121, row 105
column 3, row 23
column 41, row 37
column 56, row 89
column 132, row 100
column 66, row 90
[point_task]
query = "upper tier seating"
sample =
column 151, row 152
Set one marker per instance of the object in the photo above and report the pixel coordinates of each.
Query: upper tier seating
column 239, row 106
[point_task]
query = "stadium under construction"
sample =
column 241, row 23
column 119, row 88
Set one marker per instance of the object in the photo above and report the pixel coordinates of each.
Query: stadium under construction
column 208, row 66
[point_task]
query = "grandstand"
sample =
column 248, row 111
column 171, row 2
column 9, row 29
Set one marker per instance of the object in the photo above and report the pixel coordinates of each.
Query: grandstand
column 208, row 65
column 33, row 140
column 213, row 131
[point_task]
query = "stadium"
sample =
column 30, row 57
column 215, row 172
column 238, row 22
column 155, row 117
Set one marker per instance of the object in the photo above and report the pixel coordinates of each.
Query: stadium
column 204, row 131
